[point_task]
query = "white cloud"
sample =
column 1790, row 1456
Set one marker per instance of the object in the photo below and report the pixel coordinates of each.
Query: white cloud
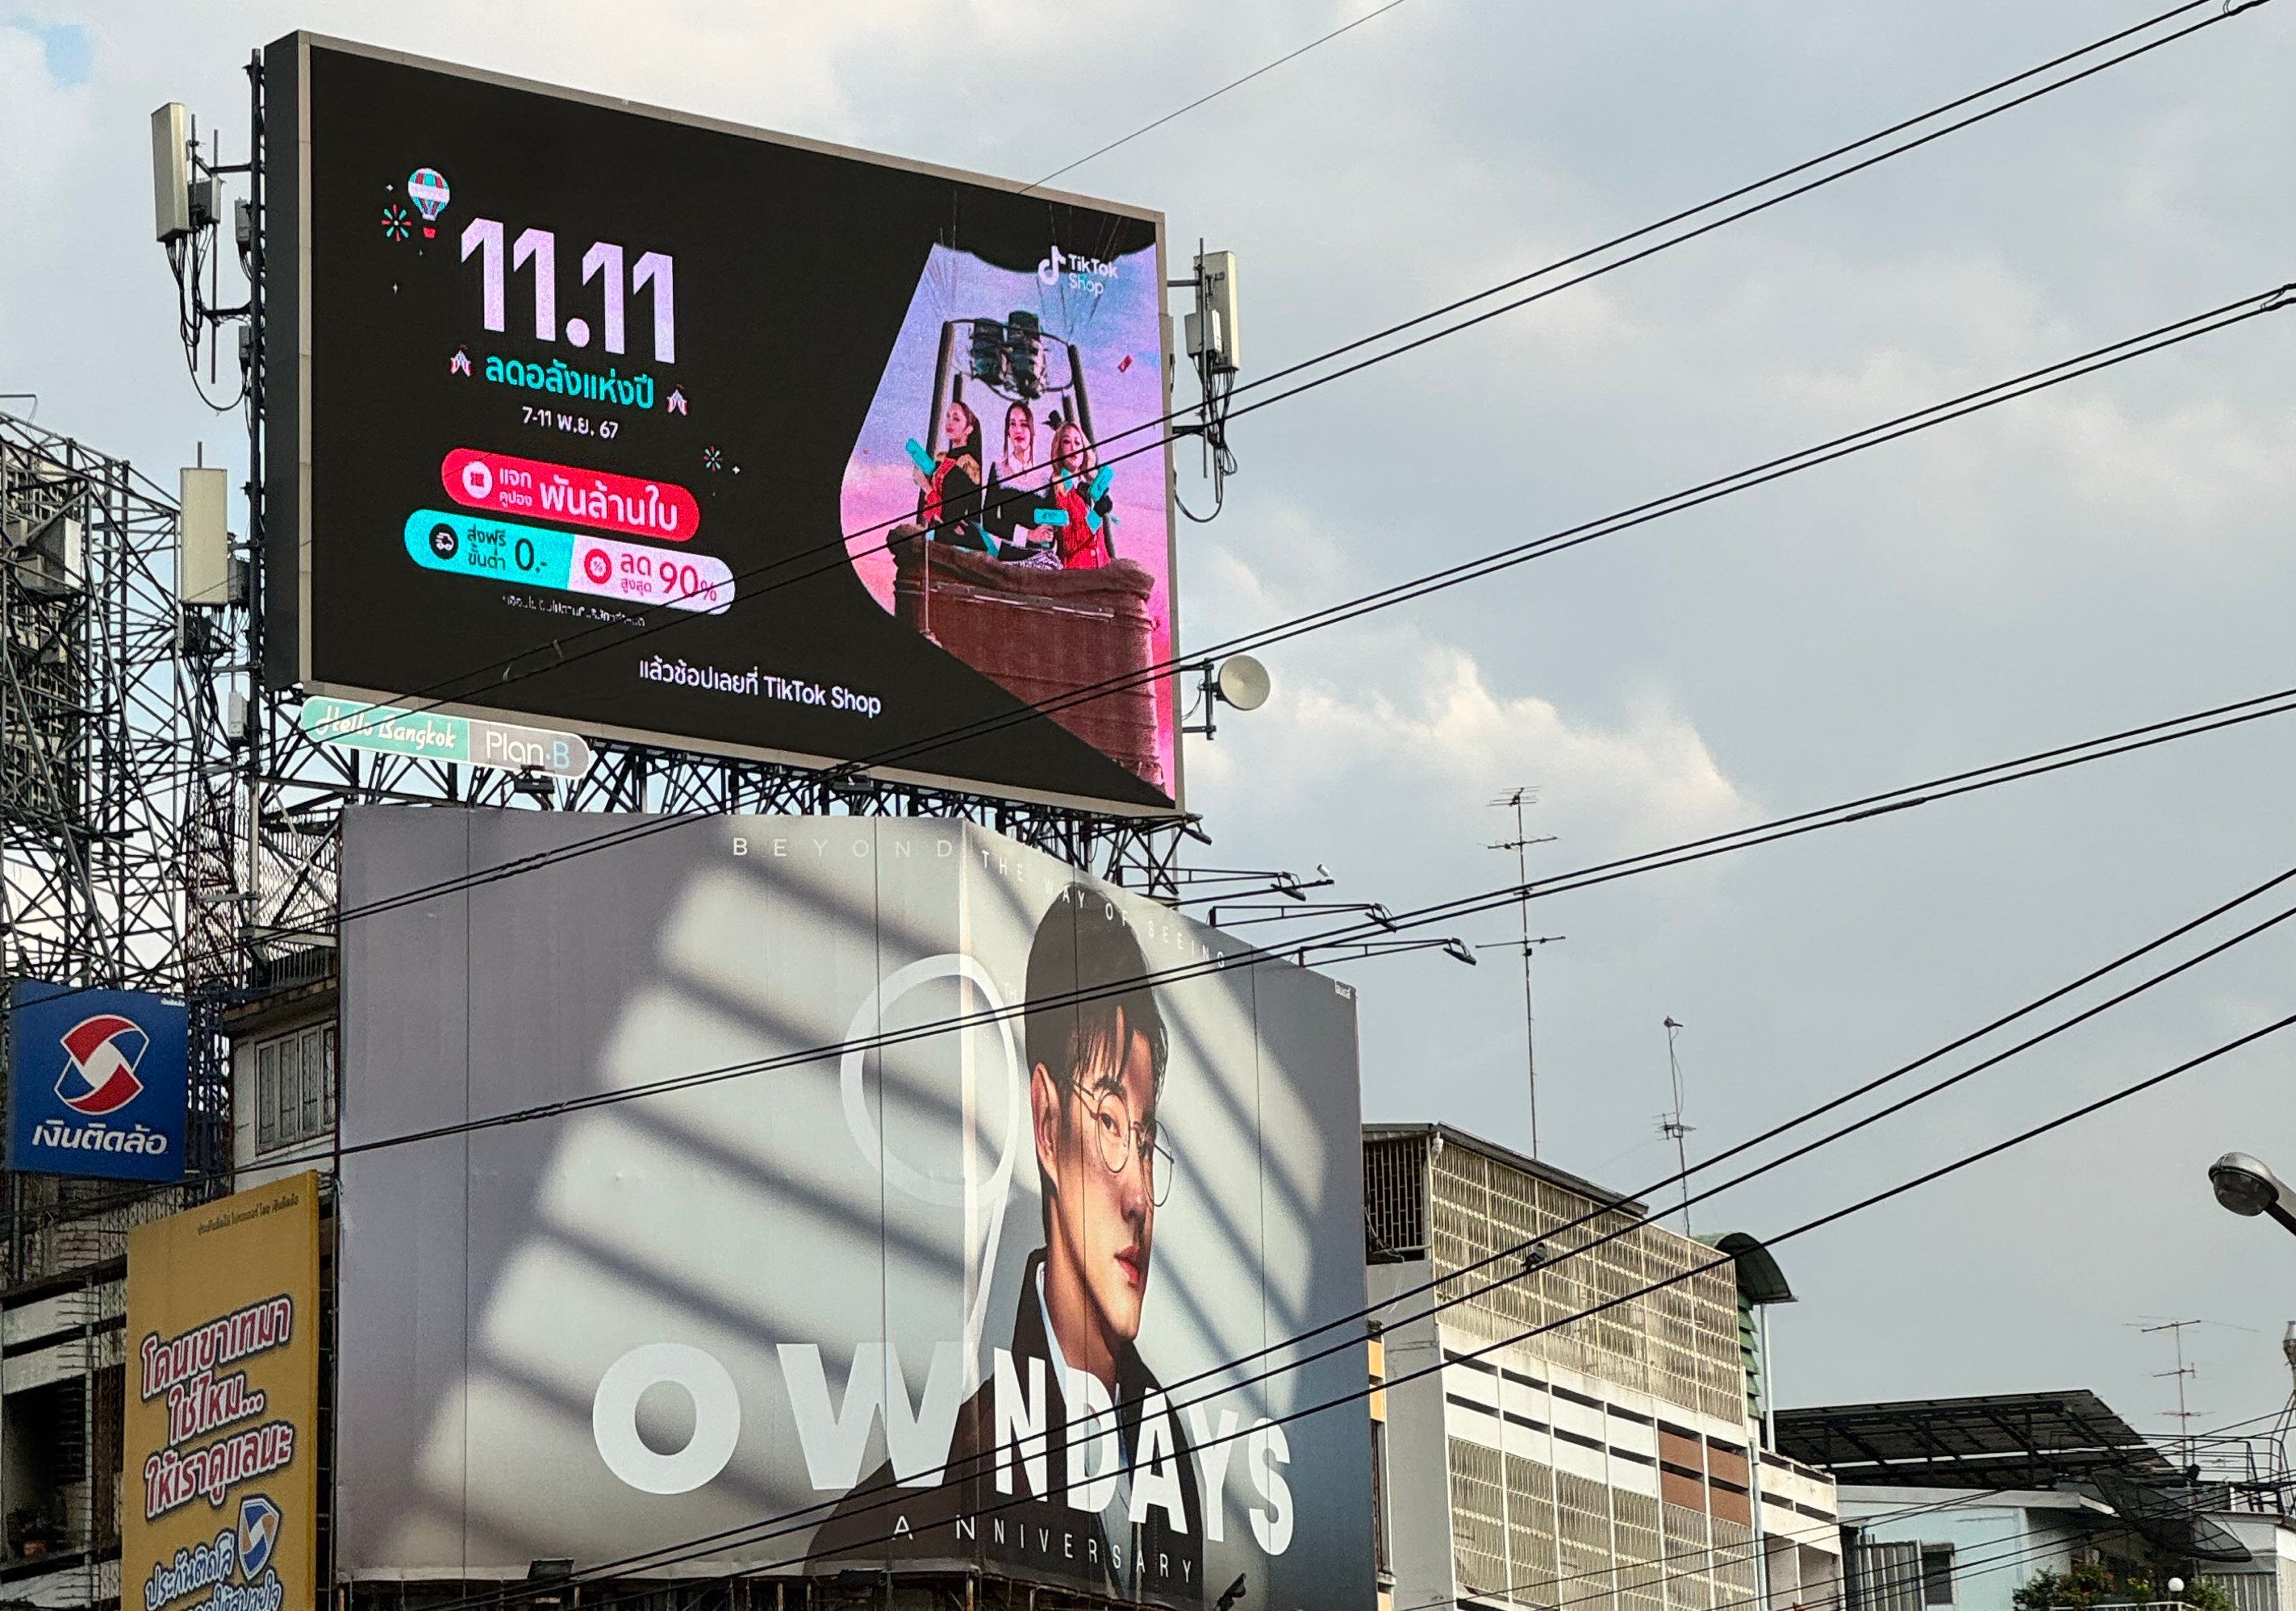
column 1416, row 726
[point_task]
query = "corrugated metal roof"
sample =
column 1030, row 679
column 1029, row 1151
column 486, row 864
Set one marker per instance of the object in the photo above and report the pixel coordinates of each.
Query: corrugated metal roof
column 2014, row 1440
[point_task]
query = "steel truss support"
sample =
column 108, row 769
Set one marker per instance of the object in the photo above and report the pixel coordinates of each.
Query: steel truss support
column 111, row 872
column 297, row 800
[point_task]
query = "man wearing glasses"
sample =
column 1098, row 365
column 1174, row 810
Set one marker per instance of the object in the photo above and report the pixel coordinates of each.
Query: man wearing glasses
column 1070, row 1458
column 1096, row 1072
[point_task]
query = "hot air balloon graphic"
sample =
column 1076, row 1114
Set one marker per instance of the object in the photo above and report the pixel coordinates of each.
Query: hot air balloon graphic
column 426, row 187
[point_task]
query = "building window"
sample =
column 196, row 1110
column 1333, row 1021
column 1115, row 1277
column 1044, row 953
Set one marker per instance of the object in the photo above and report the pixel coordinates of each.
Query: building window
column 1937, row 1574
column 294, row 1087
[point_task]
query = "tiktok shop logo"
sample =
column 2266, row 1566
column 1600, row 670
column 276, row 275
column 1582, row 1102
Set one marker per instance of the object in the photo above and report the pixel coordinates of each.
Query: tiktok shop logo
column 1086, row 273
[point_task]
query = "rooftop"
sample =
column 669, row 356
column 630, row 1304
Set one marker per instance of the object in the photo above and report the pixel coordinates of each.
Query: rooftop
column 1453, row 1137
column 2014, row 1440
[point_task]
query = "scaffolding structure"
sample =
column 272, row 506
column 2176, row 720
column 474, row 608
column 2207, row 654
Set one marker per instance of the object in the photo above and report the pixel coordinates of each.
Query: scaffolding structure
column 111, row 763
column 111, row 769
column 98, row 722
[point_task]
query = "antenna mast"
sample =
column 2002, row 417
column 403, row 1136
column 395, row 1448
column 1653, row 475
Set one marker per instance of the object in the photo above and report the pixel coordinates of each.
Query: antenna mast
column 2182, row 1373
column 1519, row 800
column 1671, row 1126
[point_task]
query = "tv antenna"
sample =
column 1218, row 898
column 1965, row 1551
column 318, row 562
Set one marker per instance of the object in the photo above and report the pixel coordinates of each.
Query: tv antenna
column 1520, row 800
column 2183, row 1414
column 1670, row 1124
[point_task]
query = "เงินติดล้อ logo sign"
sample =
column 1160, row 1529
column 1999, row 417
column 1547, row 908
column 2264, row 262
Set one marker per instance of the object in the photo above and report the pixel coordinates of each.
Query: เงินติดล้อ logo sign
column 96, row 1082
column 99, row 1076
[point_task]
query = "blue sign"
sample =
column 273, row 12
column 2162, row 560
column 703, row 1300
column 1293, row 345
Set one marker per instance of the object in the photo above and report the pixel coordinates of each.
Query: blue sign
column 96, row 1083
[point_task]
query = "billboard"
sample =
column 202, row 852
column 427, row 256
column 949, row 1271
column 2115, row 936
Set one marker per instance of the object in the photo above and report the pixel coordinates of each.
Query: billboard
column 220, row 1508
column 96, row 1082
column 710, row 437
column 970, row 1299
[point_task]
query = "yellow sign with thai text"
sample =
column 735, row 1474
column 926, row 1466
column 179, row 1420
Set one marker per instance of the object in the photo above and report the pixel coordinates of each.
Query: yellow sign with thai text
column 219, row 1493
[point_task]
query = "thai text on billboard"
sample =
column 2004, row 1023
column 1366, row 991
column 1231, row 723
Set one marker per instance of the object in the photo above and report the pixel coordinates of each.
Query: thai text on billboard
column 712, row 437
column 219, row 1493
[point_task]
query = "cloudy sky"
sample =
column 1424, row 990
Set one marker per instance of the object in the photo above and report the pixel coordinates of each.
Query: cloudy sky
column 2110, row 552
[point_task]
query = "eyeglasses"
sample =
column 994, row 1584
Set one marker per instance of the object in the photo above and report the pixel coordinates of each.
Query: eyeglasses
column 1119, row 1138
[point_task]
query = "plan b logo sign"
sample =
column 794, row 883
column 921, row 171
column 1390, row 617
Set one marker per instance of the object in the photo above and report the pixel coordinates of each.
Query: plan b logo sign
column 96, row 1083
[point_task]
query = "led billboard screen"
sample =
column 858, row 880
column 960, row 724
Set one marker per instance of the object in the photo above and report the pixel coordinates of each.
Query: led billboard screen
column 654, row 427
column 992, row 1298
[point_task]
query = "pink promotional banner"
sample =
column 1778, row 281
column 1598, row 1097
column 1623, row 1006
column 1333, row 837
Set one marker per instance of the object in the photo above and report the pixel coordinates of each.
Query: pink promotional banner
column 513, row 486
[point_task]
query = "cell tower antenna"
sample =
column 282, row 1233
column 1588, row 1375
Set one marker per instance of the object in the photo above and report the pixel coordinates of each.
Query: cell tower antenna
column 1519, row 801
column 1670, row 1124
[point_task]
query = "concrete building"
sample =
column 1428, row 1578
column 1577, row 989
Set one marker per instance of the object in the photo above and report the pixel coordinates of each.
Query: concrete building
column 1590, row 1437
column 63, row 1336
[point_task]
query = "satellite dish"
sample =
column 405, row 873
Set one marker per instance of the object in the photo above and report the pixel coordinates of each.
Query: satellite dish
column 2169, row 1520
column 1242, row 682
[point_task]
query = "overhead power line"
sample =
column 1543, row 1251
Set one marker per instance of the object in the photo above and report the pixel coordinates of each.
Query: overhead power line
column 2039, row 763
column 1503, row 1255
column 2161, row 337
column 1206, row 100
column 518, row 667
column 1394, row 594
column 1852, row 811
column 764, row 1529
column 1832, row 1217
column 1510, row 1255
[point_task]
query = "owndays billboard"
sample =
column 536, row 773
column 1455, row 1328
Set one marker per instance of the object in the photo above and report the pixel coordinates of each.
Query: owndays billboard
column 879, row 1293
column 661, row 428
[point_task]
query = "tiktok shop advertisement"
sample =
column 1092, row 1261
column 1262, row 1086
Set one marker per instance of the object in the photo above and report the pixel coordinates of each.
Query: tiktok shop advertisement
column 905, row 1200
column 219, row 1492
column 653, row 427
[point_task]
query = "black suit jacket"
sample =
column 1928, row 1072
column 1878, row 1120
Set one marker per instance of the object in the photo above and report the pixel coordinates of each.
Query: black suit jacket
column 964, row 1517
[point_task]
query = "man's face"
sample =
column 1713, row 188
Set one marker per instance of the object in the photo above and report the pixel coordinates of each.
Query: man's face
column 1104, row 1220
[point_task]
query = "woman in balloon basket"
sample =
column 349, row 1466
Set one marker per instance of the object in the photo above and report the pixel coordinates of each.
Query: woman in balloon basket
column 1078, row 507
column 948, row 483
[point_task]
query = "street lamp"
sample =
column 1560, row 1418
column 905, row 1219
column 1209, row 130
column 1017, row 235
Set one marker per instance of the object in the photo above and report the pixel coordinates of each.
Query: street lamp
column 2247, row 1186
